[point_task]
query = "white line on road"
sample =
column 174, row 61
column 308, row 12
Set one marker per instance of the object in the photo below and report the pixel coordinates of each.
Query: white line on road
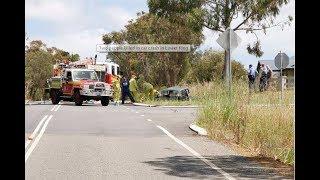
column 34, row 144
column 35, row 131
column 53, row 107
column 149, row 120
column 142, row 115
column 228, row 176
column 137, row 112
column 57, row 107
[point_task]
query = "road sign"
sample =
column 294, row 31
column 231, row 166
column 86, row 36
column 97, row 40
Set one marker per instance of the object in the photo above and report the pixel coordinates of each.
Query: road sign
column 223, row 40
column 281, row 61
column 228, row 40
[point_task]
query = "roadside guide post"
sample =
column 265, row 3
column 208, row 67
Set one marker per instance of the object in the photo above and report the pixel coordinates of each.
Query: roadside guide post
column 281, row 61
column 228, row 40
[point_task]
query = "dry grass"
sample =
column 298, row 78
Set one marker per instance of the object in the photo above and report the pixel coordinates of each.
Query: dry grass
column 256, row 122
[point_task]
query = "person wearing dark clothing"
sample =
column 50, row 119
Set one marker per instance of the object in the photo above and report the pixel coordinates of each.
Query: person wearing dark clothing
column 269, row 76
column 125, row 90
column 263, row 78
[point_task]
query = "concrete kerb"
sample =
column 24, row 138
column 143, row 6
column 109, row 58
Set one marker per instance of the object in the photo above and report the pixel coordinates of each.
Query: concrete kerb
column 28, row 102
column 144, row 105
column 179, row 106
column 199, row 130
column 150, row 105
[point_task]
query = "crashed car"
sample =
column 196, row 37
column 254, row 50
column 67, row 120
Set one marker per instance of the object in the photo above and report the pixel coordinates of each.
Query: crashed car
column 174, row 93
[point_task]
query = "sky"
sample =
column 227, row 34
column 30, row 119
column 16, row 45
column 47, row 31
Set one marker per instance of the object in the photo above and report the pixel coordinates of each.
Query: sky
column 77, row 26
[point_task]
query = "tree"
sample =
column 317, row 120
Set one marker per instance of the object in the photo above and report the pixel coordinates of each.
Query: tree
column 38, row 68
column 74, row 57
column 36, row 45
column 159, row 68
column 217, row 15
column 60, row 55
column 208, row 66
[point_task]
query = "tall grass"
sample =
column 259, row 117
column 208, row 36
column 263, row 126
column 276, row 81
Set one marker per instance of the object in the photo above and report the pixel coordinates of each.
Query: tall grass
column 254, row 121
column 258, row 122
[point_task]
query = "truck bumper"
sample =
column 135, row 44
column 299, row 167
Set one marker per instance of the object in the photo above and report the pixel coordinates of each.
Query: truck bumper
column 93, row 93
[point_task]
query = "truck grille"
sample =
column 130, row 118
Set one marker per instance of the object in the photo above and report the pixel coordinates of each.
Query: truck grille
column 99, row 85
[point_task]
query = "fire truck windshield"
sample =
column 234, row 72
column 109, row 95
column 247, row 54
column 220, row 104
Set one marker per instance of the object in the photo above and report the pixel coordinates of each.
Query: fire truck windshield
column 85, row 75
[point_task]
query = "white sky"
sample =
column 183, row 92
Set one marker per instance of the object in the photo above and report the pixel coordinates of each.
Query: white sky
column 78, row 25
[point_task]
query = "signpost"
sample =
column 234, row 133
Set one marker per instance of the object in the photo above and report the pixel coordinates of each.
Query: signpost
column 228, row 40
column 281, row 61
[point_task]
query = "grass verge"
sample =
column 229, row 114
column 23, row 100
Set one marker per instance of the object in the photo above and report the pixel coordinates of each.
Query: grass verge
column 263, row 130
column 258, row 123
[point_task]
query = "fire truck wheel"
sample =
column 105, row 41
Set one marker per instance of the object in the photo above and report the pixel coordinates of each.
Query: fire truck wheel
column 104, row 101
column 77, row 98
column 54, row 95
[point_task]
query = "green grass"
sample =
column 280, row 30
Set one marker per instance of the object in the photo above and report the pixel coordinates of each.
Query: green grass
column 203, row 93
column 262, row 130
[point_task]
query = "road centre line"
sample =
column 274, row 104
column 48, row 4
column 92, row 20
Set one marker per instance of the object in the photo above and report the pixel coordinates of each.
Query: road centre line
column 149, row 120
column 34, row 144
column 35, row 131
column 142, row 115
column 228, row 176
column 57, row 107
column 54, row 107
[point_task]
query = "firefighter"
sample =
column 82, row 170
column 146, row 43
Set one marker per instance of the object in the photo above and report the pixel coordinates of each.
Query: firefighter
column 148, row 90
column 116, row 89
column 133, row 87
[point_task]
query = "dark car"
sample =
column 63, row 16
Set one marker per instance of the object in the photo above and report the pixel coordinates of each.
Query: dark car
column 176, row 92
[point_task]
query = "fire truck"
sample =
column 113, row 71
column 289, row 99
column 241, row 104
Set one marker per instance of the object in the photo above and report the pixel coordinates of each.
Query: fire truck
column 78, row 82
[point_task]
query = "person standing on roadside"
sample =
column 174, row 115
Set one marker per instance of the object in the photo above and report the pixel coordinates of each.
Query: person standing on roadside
column 269, row 76
column 251, row 77
column 133, row 87
column 116, row 87
column 263, row 78
column 125, row 90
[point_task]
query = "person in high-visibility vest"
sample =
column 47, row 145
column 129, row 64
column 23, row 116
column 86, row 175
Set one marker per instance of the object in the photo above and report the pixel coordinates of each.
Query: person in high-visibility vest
column 133, row 87
column 116, row 89
column 148, row 90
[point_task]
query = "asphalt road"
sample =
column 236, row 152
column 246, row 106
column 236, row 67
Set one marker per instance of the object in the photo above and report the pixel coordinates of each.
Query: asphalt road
column 126, row 142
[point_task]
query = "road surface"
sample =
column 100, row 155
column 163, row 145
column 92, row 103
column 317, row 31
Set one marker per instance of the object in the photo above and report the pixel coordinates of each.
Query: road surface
column 126, row 142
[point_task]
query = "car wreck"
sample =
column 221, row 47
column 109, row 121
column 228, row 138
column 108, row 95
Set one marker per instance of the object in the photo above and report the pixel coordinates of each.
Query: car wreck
column 174, row 93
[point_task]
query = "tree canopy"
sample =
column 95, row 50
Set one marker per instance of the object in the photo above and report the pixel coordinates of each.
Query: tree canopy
column 39, row 60
column 218, row 15
column 158, row 68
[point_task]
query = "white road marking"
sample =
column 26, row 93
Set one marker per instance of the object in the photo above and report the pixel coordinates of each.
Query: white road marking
column 142, row 115
column 228, row 176
column 137, row 112
column 34, row 144
column 53, row 107
column 35, row 131
column 149, row 120
column 57, row 107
